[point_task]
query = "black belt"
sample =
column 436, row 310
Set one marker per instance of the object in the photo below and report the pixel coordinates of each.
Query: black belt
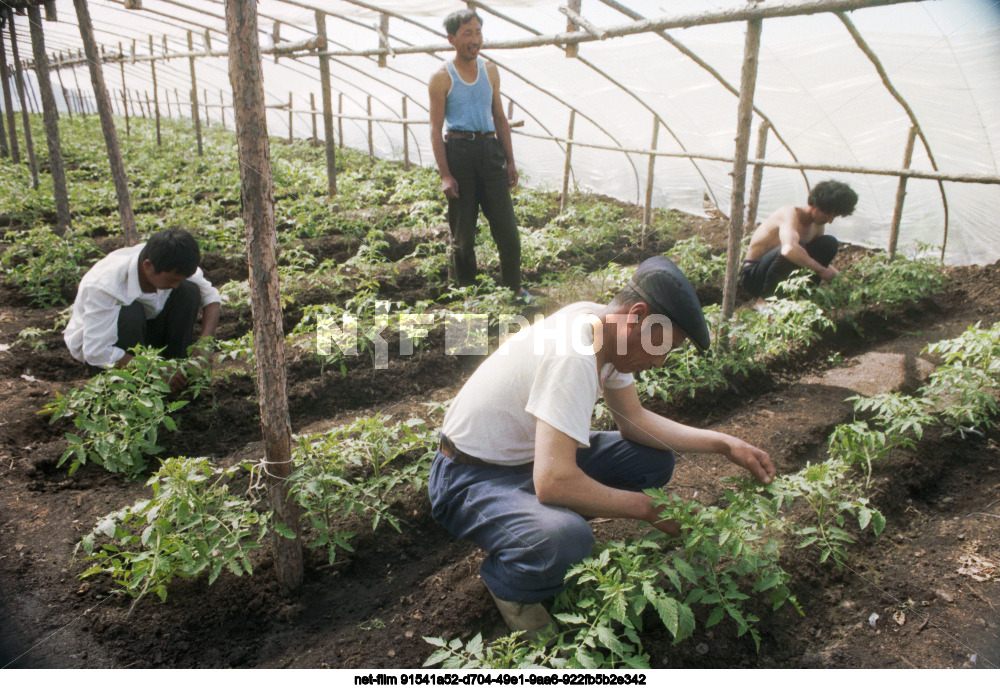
column 469, row 136
column 449, row 450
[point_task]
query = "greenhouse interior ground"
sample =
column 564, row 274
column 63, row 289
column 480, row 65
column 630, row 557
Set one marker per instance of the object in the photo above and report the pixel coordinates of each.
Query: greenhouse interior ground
column 136, row 525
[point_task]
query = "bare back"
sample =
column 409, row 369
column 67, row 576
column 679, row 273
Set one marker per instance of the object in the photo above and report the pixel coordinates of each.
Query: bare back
column 789, row 225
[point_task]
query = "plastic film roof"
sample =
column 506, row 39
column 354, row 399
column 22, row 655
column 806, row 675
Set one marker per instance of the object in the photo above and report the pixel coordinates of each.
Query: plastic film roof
column 822, row 94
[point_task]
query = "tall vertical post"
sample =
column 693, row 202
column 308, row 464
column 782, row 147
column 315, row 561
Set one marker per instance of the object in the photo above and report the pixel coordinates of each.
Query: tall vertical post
column 312, row 113
column 51, row 118
column 257, row 193
column 204, row 94
column 647, row 209
column 62, row 87
column 4, row 148
column 897, row 213
column 121, row 63
column 340, row 120
column 568, row 165
column 573, row 49
column 371, row 138
column 156, row 92
column 79, row 92
column 33, row 98
column 8, row 102
column 406, row 139
column 326, row 94
column 748, row 83
column 383, row 38
column 29, row 144
column 291, row 117
column 222, row 108
column 107, row 123
column 758, row 176
column 195, row 117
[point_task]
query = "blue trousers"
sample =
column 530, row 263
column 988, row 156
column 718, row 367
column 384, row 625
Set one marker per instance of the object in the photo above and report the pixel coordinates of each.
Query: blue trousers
column 531, row 546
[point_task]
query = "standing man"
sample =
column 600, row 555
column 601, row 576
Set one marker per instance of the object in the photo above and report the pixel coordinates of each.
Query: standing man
column 519, row 470
column 146, row 294
column 793, row 237
column 470, row 136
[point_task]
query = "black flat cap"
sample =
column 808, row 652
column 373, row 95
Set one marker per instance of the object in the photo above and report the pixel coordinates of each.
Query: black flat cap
column 662, row 285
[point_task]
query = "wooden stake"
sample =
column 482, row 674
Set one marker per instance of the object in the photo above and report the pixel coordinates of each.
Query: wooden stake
column 326, row 95
column 128, row 125
column 312, row 114
column 748, row 83
column 406, row 139
column 204, row 94
column 33, row 98
column 897, row 213
column 156, row 94
column 79, row 95
column 29, row 144
column 107, row 123
column 222, row 108
column 573, row 49
column 8, row 104
column 4, row 148
column 568, row 165
column 371, row 139
column 257, row 193
column 50, row 116
column 340, row 120
column 65, row 93
column 291, row 115
column 647, row 210
column 758, row 177
column 194, row 95
column 383, row 38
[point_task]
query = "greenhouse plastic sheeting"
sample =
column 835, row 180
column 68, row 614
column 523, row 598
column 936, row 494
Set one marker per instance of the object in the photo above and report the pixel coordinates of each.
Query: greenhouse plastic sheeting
column 822, row 94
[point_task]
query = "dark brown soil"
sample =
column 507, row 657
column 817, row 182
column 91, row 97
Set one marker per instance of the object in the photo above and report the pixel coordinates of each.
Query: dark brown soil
column 372, row 608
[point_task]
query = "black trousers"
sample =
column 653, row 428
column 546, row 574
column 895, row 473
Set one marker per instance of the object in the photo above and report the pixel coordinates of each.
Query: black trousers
column 760, row 278
column 480, row 168
column 172, row 328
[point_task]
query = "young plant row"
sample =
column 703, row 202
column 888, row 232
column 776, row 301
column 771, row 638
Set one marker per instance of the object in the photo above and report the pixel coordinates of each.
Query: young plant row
column 729, row 556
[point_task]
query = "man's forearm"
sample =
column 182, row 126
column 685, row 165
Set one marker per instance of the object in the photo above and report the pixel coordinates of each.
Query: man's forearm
column 210, row 319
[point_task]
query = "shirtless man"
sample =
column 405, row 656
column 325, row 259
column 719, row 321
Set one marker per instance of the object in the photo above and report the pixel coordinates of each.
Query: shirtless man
column 793, row 237
column 475, row 157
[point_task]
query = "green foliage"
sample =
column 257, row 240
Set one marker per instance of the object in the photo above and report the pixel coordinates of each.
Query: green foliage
column 44, row 266
column 695, row 259
column 347, row 470
column 964, row 388
column 119, row 412
column 192, row 524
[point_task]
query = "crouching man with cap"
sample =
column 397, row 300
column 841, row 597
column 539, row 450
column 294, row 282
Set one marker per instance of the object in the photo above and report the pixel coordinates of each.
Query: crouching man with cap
column 519, row 472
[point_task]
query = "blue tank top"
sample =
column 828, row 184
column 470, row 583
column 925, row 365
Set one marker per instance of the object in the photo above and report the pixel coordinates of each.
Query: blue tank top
column 469, row 107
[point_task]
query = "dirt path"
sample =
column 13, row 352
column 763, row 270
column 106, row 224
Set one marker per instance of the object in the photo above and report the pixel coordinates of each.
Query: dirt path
column 372, row 609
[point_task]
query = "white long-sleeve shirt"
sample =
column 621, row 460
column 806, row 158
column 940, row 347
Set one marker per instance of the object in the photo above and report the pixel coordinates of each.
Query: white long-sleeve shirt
column 113, row 282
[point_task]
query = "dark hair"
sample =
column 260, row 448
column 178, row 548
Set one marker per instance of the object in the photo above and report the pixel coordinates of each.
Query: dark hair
column 833, row 197
column 172, row 250
column 454, row 20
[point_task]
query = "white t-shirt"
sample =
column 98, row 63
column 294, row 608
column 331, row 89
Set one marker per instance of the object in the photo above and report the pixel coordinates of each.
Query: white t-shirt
column 547, row 371
column 113, row 282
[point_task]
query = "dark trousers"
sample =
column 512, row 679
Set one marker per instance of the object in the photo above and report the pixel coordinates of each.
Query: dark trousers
column 480, row 168
column 531, row 546
column 760, row 278
column 172, row 328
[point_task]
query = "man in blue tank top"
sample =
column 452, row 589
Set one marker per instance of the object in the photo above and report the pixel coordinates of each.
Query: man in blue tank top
column 472, row 147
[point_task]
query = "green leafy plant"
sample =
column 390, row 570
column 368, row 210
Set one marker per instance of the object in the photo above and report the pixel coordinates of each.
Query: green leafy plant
column 45, row 266
column 695, row 259
column 119, row 413
column 192, row 524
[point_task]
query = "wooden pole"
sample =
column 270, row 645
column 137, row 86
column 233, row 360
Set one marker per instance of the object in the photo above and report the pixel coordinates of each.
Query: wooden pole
column 758, row 176
column 204, row 94
column 257, row 193
column 340, row 120
column 568, row 165
column 194, row 96
column 897, row 213
column 8, row 104
column 50, row 116
column 4, row 148
column 29, row 143
column 312, row 114
column 149, row 103
column 573, row 49
column 326, row 95
column 291, row 116
column 170, row 110
column 128, row 124
column 647, row 209
column 33, row 99
column 222, row 107
column 406, row 139
column 79, row 96
column 156, row 94
column 65, row 93
column 748, row 83
column 383, row 38
column 107, row 123
column 371, row 139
